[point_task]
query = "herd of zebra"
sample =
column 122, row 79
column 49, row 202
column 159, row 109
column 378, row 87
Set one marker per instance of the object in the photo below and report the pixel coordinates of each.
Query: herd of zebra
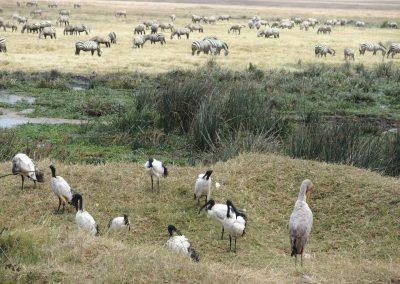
column 208, row 45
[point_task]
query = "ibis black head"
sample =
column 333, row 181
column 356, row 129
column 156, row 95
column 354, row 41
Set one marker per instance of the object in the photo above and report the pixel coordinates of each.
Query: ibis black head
column 39, row 175
column 126, row 221
column 210, row 203
column 193, row 254
column 151, row 160
column 77, row 201
column 53, row 170
column 97, row 230
column 165, row 171
column 171, row 229
column 208, row 174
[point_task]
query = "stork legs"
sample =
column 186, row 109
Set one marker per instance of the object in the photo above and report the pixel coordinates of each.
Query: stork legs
column 59, row 205
column 230, row 243
column 23, row 179
column 222, row 234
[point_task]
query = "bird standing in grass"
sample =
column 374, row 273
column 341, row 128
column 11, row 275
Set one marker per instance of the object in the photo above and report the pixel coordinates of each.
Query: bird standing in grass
column 202, row 186
column 301, row 220
column 119, row 223
column 234, row 224
column 84, row 220
column 156, row 169
column 61, row 189
column 180, row 244
column 26, row 167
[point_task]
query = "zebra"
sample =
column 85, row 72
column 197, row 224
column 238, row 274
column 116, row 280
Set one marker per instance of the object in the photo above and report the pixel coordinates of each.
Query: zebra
column 140, row 29
column 216, row 45
column 392, row 25
column 330, row 22
column 172, row 17
column 209, row 20
column 63, row 19
column 196, row 19
column 3, row 47
column 324, row 29
column 195, row 27
column 52, row 5
column 69, row 29
column 120, row 14
column 138, row 41
column 201, row 46
column 48, row 31
column 224, row 18
column 87, row 45
column 36, row 12
column 81, row 28
column 63, row 12
column 374, row 47
column 298, row 20
column 286, row 25
column 154, row 28
column 348, row 54
column 31, row 28
column 235, row 28
column 11, row 26
column 179, row 32
column 269, row 32
column 31, row 3
column 113, row 37
column 77, row 6
column 148, row 24
column 44, row 24
column 360, row 24
column 304, row 25
column 21, row 19
column 393, row 49
column 164, row 26
column 322, row 50
column 99, row 39
column 343, row 22
column 2, row 24
column 153, row 38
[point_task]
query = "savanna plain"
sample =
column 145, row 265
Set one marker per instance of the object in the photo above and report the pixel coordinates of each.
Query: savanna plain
column 264, row 118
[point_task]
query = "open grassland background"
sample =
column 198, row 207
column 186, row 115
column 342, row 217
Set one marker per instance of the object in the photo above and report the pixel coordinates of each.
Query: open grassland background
column 354, row 237
column 27, row 53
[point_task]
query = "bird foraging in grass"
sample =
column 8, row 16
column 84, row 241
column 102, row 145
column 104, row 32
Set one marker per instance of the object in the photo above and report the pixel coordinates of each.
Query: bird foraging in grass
column 26, row 167
column 120, row 223
column 234, row 224
column 84, row 220
column 301, row 220
column 180, row 244
column 155, row 169
column 202, row 186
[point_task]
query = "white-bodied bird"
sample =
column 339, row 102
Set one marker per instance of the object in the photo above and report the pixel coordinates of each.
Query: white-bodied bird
column 234, row 225
column 26, row 167
column 84, row 220
column 61, row 189
column 301, row 220
column 202, row 186
column 180, row 244
column 120, row 223
column 156, row 169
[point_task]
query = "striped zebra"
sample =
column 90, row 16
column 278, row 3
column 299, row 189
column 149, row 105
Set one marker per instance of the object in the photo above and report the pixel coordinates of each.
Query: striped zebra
column 138, row 41
column 166, row 26
column 52, row 5
column 392, row 25
column 63, row 19
column 2, row 24
column 3, row 47
column 36, row 12
column 119, row 14
column 69, row 29
column 113, row 37
column 374, row 47
column 209, row 20
column 77, row 6
column 195, row 27
column 360, row 24
column 21, row 20
column 11, row 26
column 196, row 19
column 87, row 45
column 322, row 50
column 304, row 25
column 324, row 30
column 235, row 29
column 393, row 49
column 269, row 32
column 44, row 24
column 31, row 3
column 153, row 38
column 140, row 29
column 179, row 32
column 217, row 45
column 48, row 31
column 154, row 28
column 348, row 54
column 201, row 46
column 172, row 17
column 81, row 28
column 297, row 20
column 148, row 23
column 63, row 13
column 224, row 18
column 100, row 39
column 31, row 28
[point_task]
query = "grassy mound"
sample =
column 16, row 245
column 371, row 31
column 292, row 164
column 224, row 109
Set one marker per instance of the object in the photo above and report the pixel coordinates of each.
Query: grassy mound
column 354, row 238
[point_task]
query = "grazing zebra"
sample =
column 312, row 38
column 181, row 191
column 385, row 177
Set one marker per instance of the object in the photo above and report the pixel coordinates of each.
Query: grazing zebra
column 269, row 32
column 44, row 24
column 99, row 39
column 179, row 32
column 3, row 47
column 120, row 14
column 224, row 18
column 374, row 47
column 52, row 5
column 31, row 3
column 2, row 24
column 69, row 29
column 348, row 54
column 148, row 23
column 330, row 22
column 343, row 22
column 360, row 24
column 172, row 17
column 196, row 19
column 153, row 38
column 87, row 45
column 31, row 28
column 164, row 26
column 11, row 26
column 209, row 20
column 36, row 12
column 392, row 25
column 322, row 50
column 304, row 25
column 195, row 27
column 140, row 29
column 217, row 45
column 297, row 20
column 81, row 28
column 138, row 41
column 63, row 19
column 286, row 25
column 201, row 46
column 77, row 6
column 22, row 20
column 154, row 28
column 113, row 37
column 235, row 28
column 63, row 12
column 324, row 29
column 48, row 31
column 393, row 49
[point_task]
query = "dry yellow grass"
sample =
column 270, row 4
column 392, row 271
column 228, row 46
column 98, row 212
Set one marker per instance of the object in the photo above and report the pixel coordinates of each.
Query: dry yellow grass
column 354, row 238
column 28, row 53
